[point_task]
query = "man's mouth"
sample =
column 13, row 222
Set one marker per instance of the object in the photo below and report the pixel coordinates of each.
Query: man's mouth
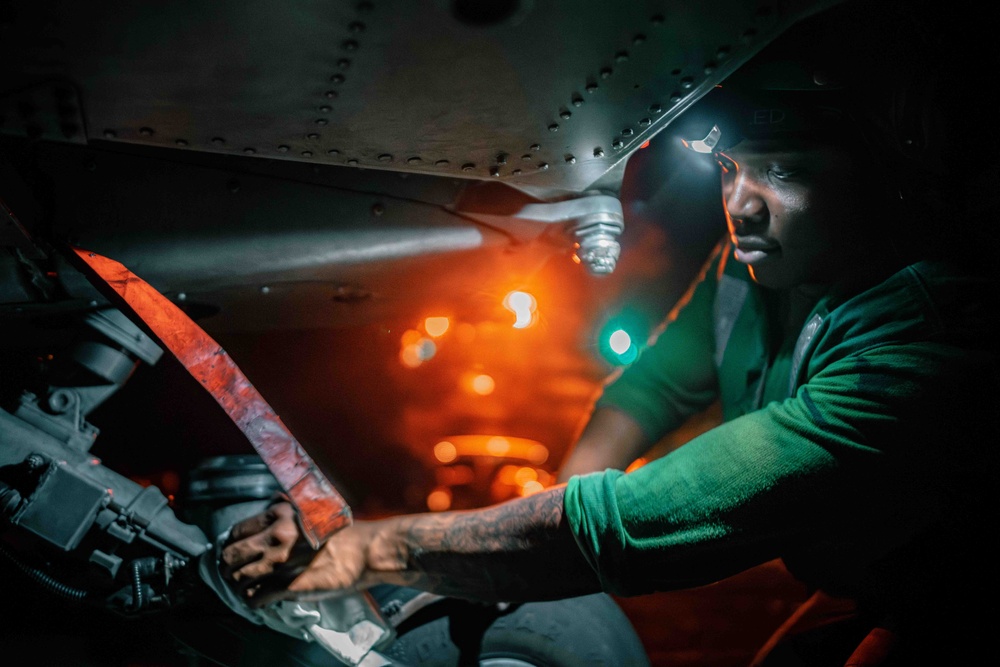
column 750, row 250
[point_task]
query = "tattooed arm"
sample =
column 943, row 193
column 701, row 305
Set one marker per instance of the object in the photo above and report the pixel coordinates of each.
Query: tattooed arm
column 518, row 550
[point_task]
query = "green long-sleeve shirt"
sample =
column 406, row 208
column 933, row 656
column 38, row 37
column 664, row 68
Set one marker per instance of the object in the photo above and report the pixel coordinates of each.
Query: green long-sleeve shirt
column 861, row 450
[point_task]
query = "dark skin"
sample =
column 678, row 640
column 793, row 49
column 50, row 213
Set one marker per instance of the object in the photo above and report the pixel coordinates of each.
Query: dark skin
column 514, row 551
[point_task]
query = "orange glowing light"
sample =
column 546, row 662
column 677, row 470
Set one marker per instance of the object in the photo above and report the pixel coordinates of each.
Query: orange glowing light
column 445, row 452
column 410, row 337
column 436, row 326
column 523, row 305
column 524, row 475
column 635, row 465
column 483, row 384
column 508, row 475
column 537, row 453
column 531, row 488
column 439, row 500
column 497, row 446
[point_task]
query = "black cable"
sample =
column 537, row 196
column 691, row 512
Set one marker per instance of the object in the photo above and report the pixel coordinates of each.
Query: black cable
column 47, row 581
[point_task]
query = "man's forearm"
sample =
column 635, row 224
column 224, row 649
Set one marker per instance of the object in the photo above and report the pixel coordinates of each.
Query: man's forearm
column 515, row 551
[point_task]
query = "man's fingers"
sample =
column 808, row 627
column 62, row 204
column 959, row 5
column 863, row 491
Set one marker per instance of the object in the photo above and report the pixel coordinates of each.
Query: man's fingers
column 260, row 522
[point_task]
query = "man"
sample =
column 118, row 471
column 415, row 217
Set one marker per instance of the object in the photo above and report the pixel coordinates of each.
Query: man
column 855, row 360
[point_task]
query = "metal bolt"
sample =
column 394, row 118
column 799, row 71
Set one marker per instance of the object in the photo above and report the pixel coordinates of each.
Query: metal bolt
column 349, row 45
column 181, row 142
column 337, row 78
column 441, row 163
column 606, row 72
column 655, row 108
column 378, row 209
column 644, row 122
column 330, row 94
column 639, row 39
column 722, row 53
column 542, row 166
column 627, row 132
column 321, row 121
column 577, row 101
column 357, row 27
column 656, row 19
column 353, row 162
column 494, row 171
column 675, row 98
column 307, row 154
column 413, row 160
column 385, row 157
column 617, row 144
column 554, row 127
column 516, row 172
column 233, row 185
column 598, row 152
column 621, row 56
column 709, row 68
column 570, row 159
column 313, row 136
column 146, row 131
column 249, row 151
column 687, row 82
column 333, row 151
column 344, row 63
column 565, row 115
column 591, row 87
column 535, row 147
column 468, row 166
column 501, row 158
column 110, row 134
column 282, row 148
column 218, row 141
column 526, row 157
column 326, row 108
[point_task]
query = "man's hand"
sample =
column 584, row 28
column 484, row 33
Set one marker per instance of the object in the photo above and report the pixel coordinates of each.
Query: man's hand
column 266, row 556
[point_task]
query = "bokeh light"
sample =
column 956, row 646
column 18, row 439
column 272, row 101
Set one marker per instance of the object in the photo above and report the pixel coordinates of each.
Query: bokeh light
column 483, row 384
column 439, row 499
column 436, row 326
column 445, row 451
column 523, row 305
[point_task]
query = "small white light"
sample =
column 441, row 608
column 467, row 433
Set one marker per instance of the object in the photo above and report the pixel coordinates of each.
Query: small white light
column 708, row 144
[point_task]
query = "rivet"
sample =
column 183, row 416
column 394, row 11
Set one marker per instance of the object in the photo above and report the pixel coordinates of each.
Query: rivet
column 494, row 171
column 349, row 45
column 627, row 132
column 565, row 115
column 687, row 82
column 709, row 68
column 577, row 101
column 655, row 108
column 644, row 122
column 344, row 63
column 385, row 157
column 639, row 39
column 413, row 160
column 326, row 108
column 282, row 149
column 605, row 72
column 526, row 157
column 353, row 162
column 516, row 172
column 722, row 53
column 535, row 147
column 330, row 94
column 543, row 166
column 110, row 134
column 307, row 153
column 501, row 158
column 233, row 185
column 554, row 127
column 378, row 209
column 265, row 289
column 617, row 144
column 312, row 136
column 249, row 151
column 441, row 163
column 321, row 121
column 218, row 141
column 468, row 166
column 598, row 152
column 337, row 78
column 333, row 151
column 591, row 87
column 181, row 142
column 357, row 27
column 656, row 19
column 570, row 159
column 146, row 131
column 675, row 98
column 621, row 56
column 748, row 34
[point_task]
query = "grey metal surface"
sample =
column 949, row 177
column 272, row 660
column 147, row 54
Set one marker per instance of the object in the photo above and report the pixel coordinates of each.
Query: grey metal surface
column 549, row 95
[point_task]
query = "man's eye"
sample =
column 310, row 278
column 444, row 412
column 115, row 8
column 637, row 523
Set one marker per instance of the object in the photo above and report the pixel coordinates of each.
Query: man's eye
column 782, row 174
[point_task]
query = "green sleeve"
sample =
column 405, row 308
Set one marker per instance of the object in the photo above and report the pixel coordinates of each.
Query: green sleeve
column 853, row 459
column 675, row 376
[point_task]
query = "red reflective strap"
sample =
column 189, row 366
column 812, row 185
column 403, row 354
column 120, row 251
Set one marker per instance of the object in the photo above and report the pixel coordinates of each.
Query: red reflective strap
column 322, row 510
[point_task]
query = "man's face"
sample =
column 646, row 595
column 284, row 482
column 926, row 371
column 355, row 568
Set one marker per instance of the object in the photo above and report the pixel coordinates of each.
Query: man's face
column 793, row 211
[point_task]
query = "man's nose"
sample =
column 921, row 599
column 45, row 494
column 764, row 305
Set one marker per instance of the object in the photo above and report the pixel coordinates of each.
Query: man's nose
column 743, row 204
